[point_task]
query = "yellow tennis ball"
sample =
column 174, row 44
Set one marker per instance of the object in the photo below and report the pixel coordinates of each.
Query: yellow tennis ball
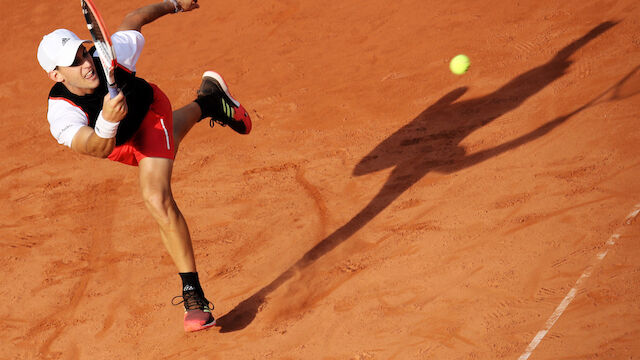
column 459, row 64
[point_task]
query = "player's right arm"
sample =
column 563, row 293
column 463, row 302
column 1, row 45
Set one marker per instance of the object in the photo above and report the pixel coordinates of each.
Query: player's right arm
column 87, row 141
column 69, row 125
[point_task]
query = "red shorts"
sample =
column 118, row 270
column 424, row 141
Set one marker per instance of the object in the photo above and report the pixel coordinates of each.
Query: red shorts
column 154, row 138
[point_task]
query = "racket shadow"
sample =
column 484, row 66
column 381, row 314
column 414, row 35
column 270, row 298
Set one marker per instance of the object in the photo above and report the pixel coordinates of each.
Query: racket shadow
column 430, row 142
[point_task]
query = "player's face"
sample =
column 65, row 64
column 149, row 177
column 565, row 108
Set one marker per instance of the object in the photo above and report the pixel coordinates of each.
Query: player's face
column 81, row 77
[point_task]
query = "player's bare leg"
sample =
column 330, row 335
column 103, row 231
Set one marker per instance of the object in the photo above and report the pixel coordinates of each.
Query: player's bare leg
column 155, row 184
column 214, row 101
column 183, row 120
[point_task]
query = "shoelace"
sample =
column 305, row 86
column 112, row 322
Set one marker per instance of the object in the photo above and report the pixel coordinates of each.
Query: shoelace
column 228, row 112
column 214, row 121
column 192, row 301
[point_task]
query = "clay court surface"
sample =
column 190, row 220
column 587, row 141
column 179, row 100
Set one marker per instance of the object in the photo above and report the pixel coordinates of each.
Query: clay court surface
column 382, row 207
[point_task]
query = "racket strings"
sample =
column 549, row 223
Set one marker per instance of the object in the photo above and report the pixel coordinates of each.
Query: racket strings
column 102, row 43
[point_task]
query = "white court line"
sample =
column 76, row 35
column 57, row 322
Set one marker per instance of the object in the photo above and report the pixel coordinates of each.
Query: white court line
column 632, row 216
column 574, row 290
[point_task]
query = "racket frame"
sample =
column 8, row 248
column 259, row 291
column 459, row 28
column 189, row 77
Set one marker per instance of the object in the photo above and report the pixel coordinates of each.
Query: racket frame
column 104, row 47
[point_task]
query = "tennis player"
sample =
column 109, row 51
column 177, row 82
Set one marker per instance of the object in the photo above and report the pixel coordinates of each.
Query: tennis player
column 137, row 127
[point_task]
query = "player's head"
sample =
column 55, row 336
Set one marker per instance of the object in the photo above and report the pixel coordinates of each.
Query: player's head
column 65, row 59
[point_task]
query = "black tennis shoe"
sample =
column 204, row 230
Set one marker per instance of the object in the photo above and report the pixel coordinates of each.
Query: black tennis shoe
column 197, row 311
column 217, row 103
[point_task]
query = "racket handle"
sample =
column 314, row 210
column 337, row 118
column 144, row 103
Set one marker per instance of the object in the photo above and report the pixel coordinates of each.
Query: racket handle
column 113, row 91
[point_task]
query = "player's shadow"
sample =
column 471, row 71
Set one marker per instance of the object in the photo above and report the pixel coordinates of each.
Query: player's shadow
column 428, row 143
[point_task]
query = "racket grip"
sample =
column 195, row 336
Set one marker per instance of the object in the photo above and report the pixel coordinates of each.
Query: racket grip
column 113, row 91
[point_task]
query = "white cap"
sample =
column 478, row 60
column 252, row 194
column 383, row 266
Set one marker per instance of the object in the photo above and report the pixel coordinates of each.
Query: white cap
column 58, row 48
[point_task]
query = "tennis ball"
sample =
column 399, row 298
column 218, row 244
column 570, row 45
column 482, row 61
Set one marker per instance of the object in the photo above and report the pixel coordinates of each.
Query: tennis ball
column 459, row 64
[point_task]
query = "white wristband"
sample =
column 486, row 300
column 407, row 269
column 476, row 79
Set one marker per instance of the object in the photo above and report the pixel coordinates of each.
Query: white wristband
column 105, row 129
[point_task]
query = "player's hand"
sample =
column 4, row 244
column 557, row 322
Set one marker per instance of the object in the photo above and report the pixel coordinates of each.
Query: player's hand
column 115, row 109
column 188, row 5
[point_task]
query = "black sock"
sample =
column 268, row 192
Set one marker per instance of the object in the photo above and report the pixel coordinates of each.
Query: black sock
column 205, row 107
column 191, row 282
column 210, row 106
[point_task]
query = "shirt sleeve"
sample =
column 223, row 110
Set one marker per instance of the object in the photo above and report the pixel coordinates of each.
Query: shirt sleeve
column 65, row 119
column 128, row 46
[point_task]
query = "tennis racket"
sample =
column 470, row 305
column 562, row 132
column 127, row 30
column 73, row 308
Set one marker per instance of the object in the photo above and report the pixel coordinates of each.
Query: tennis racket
column 102, row 41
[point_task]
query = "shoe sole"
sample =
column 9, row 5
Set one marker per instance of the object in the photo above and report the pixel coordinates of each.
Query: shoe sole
column 223, row 85
column 203, row 327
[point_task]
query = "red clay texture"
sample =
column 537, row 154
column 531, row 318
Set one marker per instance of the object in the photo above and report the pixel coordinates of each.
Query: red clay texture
column 381, row 208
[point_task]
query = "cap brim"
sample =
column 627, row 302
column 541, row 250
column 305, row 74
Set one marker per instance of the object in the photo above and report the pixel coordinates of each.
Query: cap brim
column 68, row 54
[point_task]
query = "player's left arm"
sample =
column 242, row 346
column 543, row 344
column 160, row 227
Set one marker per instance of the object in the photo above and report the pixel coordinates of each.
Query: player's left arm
column 136, row 19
